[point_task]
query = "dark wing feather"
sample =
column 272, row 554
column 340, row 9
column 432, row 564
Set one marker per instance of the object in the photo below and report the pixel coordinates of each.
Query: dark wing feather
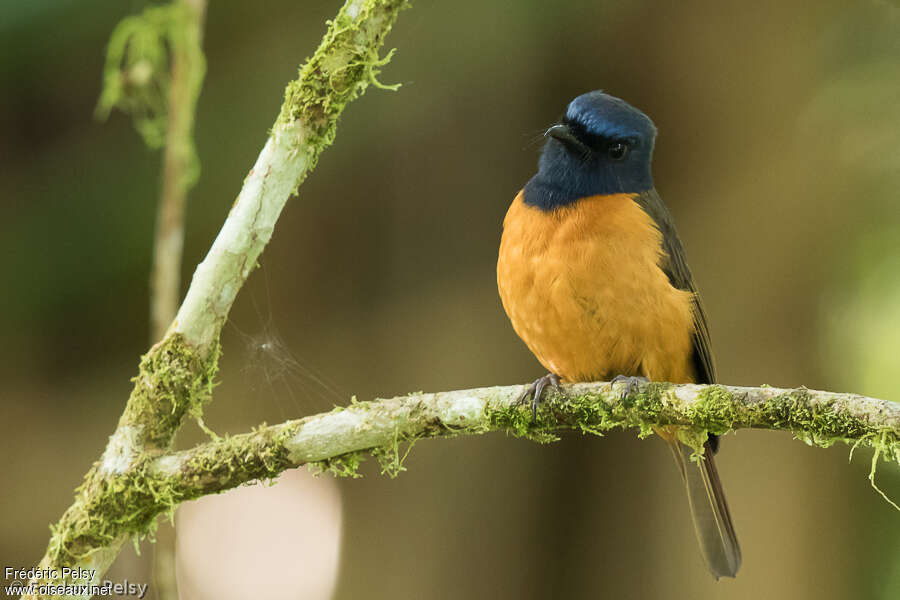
column 709, row 510
column 674, row 264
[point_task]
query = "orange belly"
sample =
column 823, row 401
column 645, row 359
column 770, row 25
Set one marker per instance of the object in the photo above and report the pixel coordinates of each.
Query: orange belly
column 583, row 288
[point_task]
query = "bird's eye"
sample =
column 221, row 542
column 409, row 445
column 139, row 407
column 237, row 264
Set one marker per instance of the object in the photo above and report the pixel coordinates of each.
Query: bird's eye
column 617, row 150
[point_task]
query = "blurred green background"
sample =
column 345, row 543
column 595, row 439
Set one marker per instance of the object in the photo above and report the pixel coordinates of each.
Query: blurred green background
column 778, row 153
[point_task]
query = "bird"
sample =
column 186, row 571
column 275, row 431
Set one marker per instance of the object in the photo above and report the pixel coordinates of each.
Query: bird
column 593, row 277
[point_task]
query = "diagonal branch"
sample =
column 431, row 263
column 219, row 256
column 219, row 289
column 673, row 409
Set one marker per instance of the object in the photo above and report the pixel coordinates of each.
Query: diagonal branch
column 176, row 376
column 343, row 66
column 180, row 173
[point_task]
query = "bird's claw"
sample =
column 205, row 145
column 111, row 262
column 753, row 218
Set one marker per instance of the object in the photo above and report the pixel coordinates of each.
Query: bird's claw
column 536, row 389
column 632, row 383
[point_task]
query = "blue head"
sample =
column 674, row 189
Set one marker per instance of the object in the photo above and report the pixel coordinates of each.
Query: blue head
column 603, row 145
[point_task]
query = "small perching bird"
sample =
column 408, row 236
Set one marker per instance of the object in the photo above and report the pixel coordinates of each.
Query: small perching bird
column 594, row 279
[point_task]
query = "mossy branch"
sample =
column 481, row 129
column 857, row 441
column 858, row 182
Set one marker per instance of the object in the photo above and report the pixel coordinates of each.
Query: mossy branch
column 341, row 69
column 138, row 477
column 338, row 440
column 119, row 498
column 127, row 502
column 180, row 173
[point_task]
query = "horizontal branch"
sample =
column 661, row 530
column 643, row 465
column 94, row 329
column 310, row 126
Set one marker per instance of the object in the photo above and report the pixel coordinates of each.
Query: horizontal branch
column 336, row 440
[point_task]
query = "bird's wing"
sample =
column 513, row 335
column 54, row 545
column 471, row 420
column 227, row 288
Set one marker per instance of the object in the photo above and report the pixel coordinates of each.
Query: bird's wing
column 674, row 264
column 709, row 510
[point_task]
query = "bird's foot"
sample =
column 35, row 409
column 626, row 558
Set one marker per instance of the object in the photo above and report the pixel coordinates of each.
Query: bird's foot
column 536, row 389
column 632, row 383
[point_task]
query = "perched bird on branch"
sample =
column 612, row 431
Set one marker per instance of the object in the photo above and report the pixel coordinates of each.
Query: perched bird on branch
column 594, row 279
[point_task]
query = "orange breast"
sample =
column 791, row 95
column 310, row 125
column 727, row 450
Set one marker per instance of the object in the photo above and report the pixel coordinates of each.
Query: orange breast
column 583, row 288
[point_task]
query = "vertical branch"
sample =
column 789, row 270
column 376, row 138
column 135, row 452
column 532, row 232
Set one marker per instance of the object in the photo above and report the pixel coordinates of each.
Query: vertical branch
column 180, row 165
column 180, row 172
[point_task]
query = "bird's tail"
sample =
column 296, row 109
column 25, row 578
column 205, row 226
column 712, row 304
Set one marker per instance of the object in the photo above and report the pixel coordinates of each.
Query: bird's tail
column 712, row 521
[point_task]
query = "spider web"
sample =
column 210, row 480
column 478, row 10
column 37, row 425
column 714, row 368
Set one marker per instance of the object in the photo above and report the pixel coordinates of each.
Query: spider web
column 272, row 368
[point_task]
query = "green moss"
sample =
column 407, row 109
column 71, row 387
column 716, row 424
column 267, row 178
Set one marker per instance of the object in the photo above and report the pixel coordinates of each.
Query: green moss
column 817, row 424
column 107, row 508
column 137, row 71
column 260, row 456
column 173, row 380
column 715, row 410
column 882, row 446
column 343, row 66
column 343, row 465
column 592, row 413
column 137, row 76
column 389, row 456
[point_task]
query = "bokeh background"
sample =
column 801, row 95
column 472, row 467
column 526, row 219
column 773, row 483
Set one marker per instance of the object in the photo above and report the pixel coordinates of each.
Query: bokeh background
column 778, row 153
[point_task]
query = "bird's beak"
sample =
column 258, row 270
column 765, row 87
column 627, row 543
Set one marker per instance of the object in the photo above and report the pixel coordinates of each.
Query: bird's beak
column 561, row 132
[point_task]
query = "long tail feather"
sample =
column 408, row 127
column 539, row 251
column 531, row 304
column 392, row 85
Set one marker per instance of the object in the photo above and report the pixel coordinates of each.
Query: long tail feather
column 712, row 521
